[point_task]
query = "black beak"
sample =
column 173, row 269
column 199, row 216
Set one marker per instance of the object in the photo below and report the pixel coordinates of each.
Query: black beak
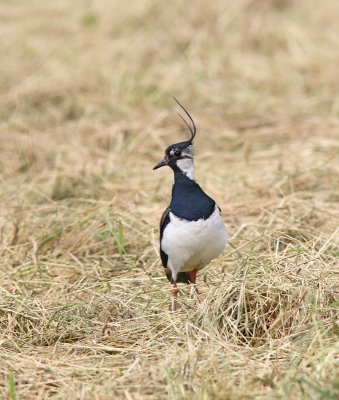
column 162, row 163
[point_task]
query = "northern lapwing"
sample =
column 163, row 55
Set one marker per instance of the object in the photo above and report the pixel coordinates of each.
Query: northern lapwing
column 192, row 231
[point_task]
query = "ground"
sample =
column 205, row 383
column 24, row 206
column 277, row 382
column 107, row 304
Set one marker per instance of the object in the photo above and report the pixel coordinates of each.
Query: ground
column 86, row 110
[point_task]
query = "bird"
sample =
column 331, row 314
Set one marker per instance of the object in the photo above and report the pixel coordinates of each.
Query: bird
column 192, row 230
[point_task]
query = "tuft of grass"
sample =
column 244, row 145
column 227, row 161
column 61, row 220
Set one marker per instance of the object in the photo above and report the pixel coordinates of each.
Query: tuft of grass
column 322, row 393
column 89, row 19
column 118, row 235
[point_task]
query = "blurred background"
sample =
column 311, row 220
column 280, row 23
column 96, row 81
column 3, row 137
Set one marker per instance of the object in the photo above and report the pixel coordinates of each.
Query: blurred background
column 86, row 96
column 86, row 110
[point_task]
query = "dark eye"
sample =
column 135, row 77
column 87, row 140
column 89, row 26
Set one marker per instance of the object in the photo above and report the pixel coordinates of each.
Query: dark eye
column 177, row 153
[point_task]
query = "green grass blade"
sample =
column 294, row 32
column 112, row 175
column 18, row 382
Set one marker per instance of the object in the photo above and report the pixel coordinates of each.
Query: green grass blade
column 11, row 383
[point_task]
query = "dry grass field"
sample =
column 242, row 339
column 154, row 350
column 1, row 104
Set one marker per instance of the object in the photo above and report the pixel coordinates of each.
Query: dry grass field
column 86, row 110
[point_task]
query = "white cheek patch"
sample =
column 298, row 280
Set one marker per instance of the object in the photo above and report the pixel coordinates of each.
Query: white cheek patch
column 187, row 167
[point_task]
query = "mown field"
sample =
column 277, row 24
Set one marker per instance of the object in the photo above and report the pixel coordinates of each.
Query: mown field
column 86, row 110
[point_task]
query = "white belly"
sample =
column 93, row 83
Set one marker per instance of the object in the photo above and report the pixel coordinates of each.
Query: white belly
column 193, row 244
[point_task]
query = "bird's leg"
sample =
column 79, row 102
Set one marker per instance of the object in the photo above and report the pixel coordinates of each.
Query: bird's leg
column 193, row 275
column 175, row 294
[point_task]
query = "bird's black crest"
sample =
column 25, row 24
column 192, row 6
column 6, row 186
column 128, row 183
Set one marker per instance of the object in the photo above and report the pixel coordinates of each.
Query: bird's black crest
column 192, row 129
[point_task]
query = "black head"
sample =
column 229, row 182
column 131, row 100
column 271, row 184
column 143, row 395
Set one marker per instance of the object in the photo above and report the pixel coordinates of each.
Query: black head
column 182, row 150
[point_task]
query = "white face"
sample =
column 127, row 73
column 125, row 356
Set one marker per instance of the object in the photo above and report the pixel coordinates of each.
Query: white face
column 185, row 163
